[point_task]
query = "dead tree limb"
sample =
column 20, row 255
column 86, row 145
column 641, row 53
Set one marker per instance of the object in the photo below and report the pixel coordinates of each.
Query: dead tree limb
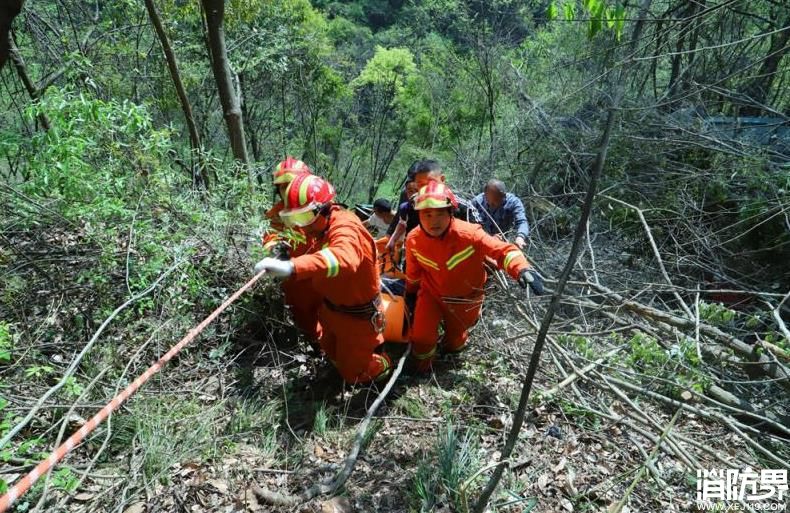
column 72, row 368
column 333, row 485
column 573, row 376
column 619, row 506
column 62, row 433
column 714, row 394
column 656, row 253
column 776, row 313
column 770, row 366
column 21, row 70
column 728, row 422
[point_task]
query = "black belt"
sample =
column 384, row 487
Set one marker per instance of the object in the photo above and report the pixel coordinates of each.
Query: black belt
column 365, row 310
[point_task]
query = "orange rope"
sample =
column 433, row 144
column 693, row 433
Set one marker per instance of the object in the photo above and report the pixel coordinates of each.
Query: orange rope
column 24, row 484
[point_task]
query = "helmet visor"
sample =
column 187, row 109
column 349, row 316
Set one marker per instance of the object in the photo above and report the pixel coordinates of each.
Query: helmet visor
column 283, row 177
column 299, row 217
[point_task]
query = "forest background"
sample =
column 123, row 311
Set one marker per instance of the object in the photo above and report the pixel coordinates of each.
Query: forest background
column 136, row 142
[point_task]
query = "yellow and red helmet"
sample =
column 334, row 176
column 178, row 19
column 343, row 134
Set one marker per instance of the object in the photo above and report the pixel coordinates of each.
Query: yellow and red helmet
column 435, row 195
column 289, row 169
column 304, row 198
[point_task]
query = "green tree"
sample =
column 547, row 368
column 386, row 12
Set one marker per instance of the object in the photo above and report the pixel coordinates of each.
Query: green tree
column 380, row 86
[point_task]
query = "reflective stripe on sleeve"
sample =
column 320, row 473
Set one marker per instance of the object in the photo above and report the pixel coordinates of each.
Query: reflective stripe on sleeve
column 333, row 266
column 510, row 256
column 425, row 356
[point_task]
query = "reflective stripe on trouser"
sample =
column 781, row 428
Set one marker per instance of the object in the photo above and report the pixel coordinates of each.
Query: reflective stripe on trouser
column 349, row 342
column 457, row 318
column 304, row 303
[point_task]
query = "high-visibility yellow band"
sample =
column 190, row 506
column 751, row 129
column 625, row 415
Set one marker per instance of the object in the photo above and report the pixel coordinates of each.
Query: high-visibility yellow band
column 425, row 356
column 303, row 192
column 283, row 177
column 460, row 257
column 431, row 203
column 425, row 261
column 333, row 266
column 510, row 256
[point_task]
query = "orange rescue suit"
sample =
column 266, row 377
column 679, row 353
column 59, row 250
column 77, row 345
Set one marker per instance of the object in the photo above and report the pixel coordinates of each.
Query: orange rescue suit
column 302, row 301
column 341, row 268
column 447, row 273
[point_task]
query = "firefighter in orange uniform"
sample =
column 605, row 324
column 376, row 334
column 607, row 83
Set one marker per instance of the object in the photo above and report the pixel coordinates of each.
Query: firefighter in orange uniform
column 283, row 242
column 445, row 274
column 340, row 266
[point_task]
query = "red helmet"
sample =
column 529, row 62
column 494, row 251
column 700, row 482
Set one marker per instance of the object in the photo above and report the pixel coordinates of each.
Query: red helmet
column 435, row 195
column 304, row 197
column 289, row 169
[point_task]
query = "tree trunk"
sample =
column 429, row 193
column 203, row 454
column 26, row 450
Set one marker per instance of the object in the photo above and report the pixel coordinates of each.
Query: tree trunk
column 757, row 89
column 679, row 77
column 598, row 165
column 246, row 114
column 215, row 13
column 9, row 9
column 699, row 6
column 199, row 178
column 21, row 69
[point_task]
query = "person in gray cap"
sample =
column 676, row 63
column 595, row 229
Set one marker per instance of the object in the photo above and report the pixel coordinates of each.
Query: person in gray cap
column 501, row 212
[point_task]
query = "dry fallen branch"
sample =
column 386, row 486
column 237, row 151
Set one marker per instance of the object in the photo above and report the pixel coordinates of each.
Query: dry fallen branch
column 619, row 507
column 726, row 421
column 776, row 313
column 767, row 365
column 62, row 432
column 77, row 359
column 108, row 431
column 715, row 395
column 333, row 485
column 548, row 395
column 656, row 253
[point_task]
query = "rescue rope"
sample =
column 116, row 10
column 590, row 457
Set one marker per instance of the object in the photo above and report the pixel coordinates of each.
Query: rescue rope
column 24, row 484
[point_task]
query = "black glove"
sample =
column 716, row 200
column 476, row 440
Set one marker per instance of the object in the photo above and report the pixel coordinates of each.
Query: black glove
column 281, row 251
column 411, row 303
column 531, row 278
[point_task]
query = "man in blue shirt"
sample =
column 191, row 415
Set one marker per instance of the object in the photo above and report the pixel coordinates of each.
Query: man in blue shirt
column 501, row 211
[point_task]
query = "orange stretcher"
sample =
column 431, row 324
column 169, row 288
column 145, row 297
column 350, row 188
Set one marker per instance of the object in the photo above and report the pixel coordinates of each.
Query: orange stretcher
column 395, row 325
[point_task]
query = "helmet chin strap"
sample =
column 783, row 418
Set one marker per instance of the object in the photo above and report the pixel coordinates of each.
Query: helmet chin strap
column 324, row 211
